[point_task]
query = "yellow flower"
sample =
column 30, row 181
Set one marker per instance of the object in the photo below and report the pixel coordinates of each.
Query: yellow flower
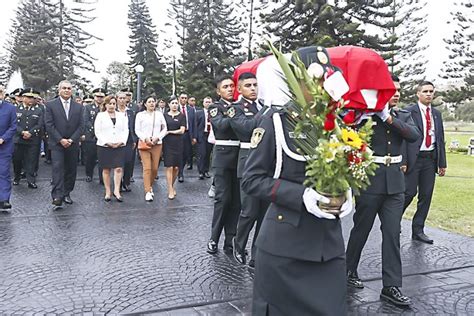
column 351, row 138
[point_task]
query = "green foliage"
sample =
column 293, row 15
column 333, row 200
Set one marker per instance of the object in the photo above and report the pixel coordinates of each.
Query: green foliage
column 465, row 112
column 143, row 50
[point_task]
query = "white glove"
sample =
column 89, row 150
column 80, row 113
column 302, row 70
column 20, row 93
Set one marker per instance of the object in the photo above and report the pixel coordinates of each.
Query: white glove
column 384, row 114
column 310, row 199
column 347, row 207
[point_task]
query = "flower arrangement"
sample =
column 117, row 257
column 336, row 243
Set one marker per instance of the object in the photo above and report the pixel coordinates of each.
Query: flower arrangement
column 338, row 156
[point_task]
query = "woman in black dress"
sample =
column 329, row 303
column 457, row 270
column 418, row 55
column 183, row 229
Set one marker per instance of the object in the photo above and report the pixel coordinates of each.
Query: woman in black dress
column 111, row 130
column 173, row 144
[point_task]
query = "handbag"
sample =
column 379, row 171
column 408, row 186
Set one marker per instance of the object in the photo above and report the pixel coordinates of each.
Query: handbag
column 142, row 145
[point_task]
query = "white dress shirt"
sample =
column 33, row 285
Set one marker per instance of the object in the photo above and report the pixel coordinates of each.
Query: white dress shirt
column 144, row 125
column 108, row 132
column 423, row 109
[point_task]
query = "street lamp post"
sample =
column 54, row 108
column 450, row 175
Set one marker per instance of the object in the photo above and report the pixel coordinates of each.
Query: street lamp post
column 139, row 69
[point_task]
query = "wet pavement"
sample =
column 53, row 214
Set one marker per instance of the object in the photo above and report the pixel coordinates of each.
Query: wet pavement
column 135, row 257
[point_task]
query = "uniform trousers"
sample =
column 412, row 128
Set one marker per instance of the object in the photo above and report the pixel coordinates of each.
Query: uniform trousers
column 422, row 179
column 288, row 286
column 226, row 205
column 25, row 158
column 6, row 152
column 204, row 152
column 129, row 165
column 90, row 157
column 64, row 169
column 253, row 210
column 187, row 152
column 390, row 211
column 150, row 161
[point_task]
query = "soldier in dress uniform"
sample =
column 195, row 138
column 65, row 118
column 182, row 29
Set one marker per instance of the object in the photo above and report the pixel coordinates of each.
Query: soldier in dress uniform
column 17, row 98
column 300, row 260
column 27, row 138
column 134, row 109
column 7, row 132
column 224, row 164
column 385, row 197
column 89, row 140
column 243, row 121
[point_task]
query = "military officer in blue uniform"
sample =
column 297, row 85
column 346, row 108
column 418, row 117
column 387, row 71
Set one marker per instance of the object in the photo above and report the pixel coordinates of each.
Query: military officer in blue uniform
column 224, row 164
column 89, row 140
column 27, row 138
column 385, row 198
column 244, row 119
column 7, row 132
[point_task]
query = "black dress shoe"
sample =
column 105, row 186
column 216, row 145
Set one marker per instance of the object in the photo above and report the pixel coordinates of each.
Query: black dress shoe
column 32, row 185
column 16, row 181
column 207, row 175
column 132, row 180
column 422, row 237
column 88, row 179
column 181, row 179
column 23, row 175
column 211, row 247
column 67, row 199
column 107, row 199
column 57, row 202
column 5, row 205
column 354, row 280
column 126, row 188
column 190, row 167
column 393, row 295
column 118, row 198
column 238, row 256
column 252, row 263
column 201, row 176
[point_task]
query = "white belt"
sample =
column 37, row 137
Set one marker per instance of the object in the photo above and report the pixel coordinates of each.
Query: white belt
column 387, row 160
column 245, row 145
column 227, row 142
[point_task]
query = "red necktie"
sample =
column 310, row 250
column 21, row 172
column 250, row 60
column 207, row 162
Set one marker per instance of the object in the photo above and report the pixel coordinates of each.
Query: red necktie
column 208, row 123
column 428, row 127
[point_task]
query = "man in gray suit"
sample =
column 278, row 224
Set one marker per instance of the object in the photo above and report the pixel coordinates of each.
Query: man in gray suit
column 425, row 158
column 64, row 120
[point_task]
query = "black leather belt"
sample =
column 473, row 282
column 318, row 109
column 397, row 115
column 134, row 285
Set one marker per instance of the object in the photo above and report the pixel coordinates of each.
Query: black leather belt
column 426, row 154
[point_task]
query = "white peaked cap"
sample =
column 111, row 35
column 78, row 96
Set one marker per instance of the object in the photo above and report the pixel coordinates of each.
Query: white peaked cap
column 272, row 87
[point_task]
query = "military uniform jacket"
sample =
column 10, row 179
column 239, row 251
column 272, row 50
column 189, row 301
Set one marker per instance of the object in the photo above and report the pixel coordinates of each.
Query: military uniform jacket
column 288, row 230
column 387, row 140
column 90, row 113
column 29, row 119
column 243, row 122
column 224, row 156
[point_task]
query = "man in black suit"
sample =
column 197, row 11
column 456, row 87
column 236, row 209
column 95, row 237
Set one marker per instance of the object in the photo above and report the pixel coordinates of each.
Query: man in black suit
column 204, row 148
column 189, row 136
column 424, row 158
column 64, row 120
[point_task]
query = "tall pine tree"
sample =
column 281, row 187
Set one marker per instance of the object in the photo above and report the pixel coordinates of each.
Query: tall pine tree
column 143, row 50
column 211, row 43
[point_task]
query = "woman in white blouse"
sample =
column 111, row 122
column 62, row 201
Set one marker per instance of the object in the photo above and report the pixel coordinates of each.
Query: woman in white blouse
column 111, row 130
column 150, row 128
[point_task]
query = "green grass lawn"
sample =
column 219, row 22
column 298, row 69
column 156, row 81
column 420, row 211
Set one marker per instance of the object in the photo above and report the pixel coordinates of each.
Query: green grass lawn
column 452, row 207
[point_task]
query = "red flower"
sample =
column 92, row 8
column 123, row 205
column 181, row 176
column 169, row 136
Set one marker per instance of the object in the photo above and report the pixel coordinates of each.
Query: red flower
column 349, row 118
column 363, row 147
column 330, row 123
column 354, row 158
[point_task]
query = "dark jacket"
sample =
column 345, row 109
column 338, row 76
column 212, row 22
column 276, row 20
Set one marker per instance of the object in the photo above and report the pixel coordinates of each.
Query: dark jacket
column 29, row 119
column 90, row 113
column 59, row 127
column 412, row 149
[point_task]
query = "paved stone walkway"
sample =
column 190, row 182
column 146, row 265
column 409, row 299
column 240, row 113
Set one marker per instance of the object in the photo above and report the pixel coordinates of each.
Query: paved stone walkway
column 137, row 257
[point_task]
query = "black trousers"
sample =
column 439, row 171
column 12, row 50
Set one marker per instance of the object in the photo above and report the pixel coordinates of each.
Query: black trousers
column 187, row 152
column 64, row 169
column 90, row 157
column 25, row 158
column 226, row 205
column 253, row 211
column 128, row 166
column 421, row 180
column 204, row 149
column 390, row 211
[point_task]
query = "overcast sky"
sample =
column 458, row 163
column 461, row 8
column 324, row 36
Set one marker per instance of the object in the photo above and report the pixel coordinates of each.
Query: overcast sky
column 111, row 25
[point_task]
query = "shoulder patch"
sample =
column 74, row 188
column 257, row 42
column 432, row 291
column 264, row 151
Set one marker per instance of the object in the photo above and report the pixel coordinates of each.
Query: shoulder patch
column 231, row 112
column 257, row 136
column 213, row 112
